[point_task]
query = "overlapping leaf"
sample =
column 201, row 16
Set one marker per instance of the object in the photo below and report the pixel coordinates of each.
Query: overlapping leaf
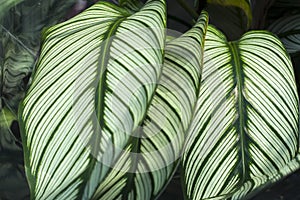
column 20, row 30
column 233, row 17
column 288, row 30
column 6, row 5
column 245, row 130
column 16, row 64
column 150, row 159
column 243, row 5
column 287, row 3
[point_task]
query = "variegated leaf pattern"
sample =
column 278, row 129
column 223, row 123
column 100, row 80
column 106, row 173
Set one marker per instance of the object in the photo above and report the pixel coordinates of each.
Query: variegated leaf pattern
column 91, row 90
column 288, row 30
column 16, row 64
column 150, row 158
column 244, row 134
column 20, row 30
column 131, row 4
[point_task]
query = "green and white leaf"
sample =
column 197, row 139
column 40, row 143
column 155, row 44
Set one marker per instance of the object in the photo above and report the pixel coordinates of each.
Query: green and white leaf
column 245, row 129
column 149, row 160
column 16, row 64
column 93, row 85
column 288, row 30
column 132, row 5
column 20, row 31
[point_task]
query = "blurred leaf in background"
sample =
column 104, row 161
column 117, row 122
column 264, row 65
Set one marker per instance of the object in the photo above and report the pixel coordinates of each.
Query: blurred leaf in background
column 232, row 17
column 13, row 182
column 288, row 30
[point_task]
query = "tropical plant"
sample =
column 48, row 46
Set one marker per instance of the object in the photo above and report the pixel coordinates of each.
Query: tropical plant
column 116, row 103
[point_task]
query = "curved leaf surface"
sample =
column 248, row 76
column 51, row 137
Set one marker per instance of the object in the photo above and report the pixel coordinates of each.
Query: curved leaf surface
column 20, row 30
column 20, row 26
column 131, row 4
column 151, row 158
column 288, row 30
column 16, row 64
column 245, row 131
column 90, row 92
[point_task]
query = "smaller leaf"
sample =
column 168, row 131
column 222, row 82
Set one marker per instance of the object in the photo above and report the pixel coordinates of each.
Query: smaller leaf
column 260, row 11
column 16, row 65
column 134, row 5
column 288, row 30
column 6, row 5
column 245, row 5
column 233, row 18
column 287, row 3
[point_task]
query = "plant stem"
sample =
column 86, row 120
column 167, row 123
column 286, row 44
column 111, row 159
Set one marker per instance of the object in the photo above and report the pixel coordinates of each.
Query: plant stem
column 189, row 9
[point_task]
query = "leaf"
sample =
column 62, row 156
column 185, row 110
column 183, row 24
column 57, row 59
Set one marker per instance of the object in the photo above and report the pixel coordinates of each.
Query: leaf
column 287, row 3
column 150, row 160
column 261, row 11
column 20, row 31
column 244, row 5
column 6, row 5
column 133, row 5
column 16, row 65
column 20, row 26
column 94, row 81
column 233, row 17
column 245, row 129
column 288, row 30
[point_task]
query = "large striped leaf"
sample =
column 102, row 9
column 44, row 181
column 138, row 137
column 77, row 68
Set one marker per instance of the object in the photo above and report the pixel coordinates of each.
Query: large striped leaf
column 151, row 159
column 288, row 30
column 95, row 79
column 245, row 130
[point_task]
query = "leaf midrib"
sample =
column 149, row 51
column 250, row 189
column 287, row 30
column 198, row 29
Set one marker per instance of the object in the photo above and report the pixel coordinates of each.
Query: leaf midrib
column 241, row 111
column 105, row 50
column 100, row 95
